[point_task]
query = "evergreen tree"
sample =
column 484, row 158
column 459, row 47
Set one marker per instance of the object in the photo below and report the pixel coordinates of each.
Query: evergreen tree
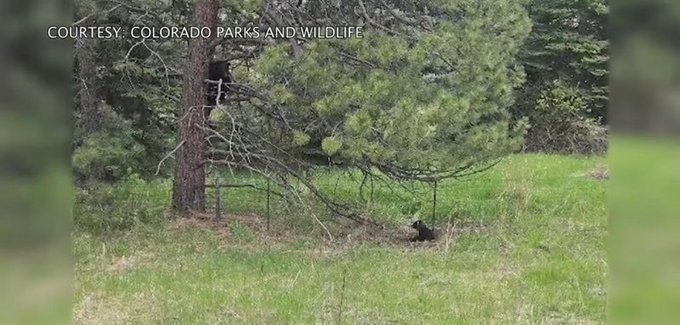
column 419, row 101
column 566, row 52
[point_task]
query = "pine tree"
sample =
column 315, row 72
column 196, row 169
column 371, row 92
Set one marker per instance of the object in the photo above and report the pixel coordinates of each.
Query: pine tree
column 419, row 103
column 189, row 183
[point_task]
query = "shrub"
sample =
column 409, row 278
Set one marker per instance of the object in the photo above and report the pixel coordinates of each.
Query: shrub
column 559, row 124
column 108, row 154
column 118, row 150
column 104, row 208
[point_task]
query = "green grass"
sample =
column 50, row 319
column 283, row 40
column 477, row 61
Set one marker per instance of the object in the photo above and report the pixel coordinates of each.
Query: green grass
column 540, row 258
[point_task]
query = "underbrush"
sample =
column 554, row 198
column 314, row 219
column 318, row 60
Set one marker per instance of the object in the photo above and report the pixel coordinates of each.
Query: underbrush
column 102, row 208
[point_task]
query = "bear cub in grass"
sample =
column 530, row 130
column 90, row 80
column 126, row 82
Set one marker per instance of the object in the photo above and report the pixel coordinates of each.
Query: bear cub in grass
column 424, row 233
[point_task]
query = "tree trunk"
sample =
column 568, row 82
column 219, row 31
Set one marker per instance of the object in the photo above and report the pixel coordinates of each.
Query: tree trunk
column 189, row 183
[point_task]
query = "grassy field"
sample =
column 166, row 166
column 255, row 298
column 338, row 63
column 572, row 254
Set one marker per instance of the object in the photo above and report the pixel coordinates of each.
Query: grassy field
column 524, row 243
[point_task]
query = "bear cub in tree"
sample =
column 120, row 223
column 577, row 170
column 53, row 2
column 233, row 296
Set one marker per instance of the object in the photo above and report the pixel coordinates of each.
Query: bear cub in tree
column 218, row 70
column 424, row 233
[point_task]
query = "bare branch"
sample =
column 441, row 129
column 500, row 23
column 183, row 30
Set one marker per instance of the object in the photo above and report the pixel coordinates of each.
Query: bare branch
column 82, row 20
column 158, row 169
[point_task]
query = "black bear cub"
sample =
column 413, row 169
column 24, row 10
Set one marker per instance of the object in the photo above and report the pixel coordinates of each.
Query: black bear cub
column 218, row 70
column 424, row 233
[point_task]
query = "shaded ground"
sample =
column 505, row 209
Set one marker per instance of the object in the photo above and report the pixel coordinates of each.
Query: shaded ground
column 351, row 234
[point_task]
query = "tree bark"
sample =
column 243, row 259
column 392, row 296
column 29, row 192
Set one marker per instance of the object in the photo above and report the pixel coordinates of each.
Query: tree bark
column 189, row 183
